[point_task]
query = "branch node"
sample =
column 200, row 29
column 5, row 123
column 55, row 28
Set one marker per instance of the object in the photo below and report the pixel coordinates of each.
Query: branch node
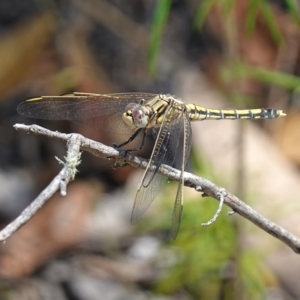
column 198, row 188
column 71, row 162
column 231, row 212
column 63, row 187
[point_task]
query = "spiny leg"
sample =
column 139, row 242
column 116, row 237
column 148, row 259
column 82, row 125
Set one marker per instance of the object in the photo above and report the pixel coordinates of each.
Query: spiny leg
column 135, row 134
column 142, row 143
column 123, row 163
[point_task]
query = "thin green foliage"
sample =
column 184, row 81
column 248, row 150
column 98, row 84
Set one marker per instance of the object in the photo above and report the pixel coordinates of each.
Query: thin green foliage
column 255, row 275
column 271, row 21
column 159, row 21
column 293, row 7
column 204, row 9
column 255, row 7
column 240, row 70
column 251, row 16
column 271, row 77
column 202, row 12
column 227, row 7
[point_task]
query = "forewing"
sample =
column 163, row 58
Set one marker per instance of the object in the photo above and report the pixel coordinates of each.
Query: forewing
column 152, row 182
column 178, row 204
column 96, row 110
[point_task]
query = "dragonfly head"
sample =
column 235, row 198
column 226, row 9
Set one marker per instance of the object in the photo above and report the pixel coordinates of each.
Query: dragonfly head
column 134, row 116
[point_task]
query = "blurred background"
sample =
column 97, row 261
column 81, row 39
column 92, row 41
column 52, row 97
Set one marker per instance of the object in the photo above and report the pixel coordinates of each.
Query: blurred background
column 218, row 54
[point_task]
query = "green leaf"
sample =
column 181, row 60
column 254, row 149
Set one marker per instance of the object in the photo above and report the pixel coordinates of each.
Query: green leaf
column 227, row 7
column 271, row 22
column 241, row 70
column 252, row 16
column 280, row 79
column 294, row 11
column 202, row 12
column 160, row 18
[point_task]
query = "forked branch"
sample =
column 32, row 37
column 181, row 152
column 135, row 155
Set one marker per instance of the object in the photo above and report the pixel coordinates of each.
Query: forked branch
column 77, row 143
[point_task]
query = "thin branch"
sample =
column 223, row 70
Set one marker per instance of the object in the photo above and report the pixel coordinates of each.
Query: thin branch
column 58, row 183
column 77, row 142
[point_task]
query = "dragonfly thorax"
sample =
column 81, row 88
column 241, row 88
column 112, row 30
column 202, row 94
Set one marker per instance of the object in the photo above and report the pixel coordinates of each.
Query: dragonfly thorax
column 134, row 116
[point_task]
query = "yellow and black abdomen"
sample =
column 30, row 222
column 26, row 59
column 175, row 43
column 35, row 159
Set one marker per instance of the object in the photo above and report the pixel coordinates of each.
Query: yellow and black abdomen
column 201, row 113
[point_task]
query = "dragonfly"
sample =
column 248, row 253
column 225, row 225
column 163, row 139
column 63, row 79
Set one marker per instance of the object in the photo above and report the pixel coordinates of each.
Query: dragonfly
column 164, row 116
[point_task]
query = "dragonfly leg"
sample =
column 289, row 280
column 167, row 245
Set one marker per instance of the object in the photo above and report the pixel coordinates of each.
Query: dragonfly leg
column 142, row 144
column 135, row 134
column 132, row 137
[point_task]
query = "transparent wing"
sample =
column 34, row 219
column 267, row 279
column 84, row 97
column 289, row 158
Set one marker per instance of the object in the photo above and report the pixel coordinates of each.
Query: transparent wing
column 96, row 110
column 178, row 204
column 164, row 152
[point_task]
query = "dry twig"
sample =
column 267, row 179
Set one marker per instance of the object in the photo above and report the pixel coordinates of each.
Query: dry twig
column 76, row 142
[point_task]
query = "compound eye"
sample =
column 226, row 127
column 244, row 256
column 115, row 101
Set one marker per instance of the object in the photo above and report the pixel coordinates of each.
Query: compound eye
column 130, row 106
column 137, row 113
